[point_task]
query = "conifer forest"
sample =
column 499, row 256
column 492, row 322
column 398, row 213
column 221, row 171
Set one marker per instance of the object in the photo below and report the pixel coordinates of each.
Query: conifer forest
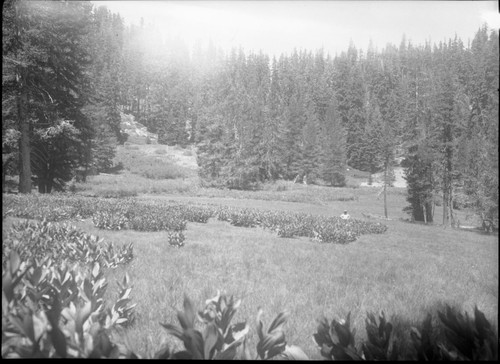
column 69, row 68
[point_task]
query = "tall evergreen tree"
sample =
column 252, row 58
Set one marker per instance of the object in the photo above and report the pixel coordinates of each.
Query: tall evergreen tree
column 334, row 146
column 271, row 136
column 478, row 146
column 420, row 183
column 367, row 151
column 311, row 148
column 47, row 60
column 292, row 138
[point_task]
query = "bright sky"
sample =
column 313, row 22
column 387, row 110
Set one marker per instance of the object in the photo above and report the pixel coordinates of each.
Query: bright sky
column 277, row 27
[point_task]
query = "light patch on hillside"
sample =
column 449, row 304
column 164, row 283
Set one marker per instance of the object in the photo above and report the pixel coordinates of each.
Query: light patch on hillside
column 378, row 178
column 183, row 157
column 137, row 133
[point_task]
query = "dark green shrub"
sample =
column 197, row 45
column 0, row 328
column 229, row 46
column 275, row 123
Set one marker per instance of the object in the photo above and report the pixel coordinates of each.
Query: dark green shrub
column 286, row 224
column 49, row 207
column 126, row 213
column 157, row 217
column 56, row 311
column 464, row 339
column 38, row 207
column 110, row 220
column 176, row 239
column 61, row 243
column 53, row 292
column 222, row 340
column 113, row 214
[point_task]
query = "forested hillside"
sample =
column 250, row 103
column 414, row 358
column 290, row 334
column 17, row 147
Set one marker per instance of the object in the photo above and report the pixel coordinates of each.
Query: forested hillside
column 69, row 69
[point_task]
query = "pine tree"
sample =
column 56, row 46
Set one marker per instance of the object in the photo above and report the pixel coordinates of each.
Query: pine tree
column 449, row 114
column 311, row 149
column 420, row 183
column 210, row 148
column 271, row 158
column 350, row 97
column 292, row 143
column 49, row 82
column 210, row 132
column 387, row 145
column 101, row 146
column 478, row 146
column 15, row 61
column 334, row 156
column 367, row 152
column 111, row 101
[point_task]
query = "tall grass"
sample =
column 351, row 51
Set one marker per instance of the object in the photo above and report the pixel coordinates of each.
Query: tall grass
column 152, row 167
column 286, row 191
column 406, row 272
column 161, row 151
column 129, row 184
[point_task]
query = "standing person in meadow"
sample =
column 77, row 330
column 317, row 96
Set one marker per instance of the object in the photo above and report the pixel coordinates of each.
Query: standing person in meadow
column 345, row 215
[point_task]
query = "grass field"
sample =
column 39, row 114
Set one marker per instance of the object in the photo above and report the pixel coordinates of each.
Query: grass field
column 407, row 272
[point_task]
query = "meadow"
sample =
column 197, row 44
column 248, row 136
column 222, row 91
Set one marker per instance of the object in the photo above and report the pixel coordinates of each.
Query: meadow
column 406, row 272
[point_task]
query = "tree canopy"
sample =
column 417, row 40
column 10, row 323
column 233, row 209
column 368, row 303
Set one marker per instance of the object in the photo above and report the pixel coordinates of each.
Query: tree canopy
column 71, row 69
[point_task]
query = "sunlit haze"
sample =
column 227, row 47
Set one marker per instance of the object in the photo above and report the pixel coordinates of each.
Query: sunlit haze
column 277, row 27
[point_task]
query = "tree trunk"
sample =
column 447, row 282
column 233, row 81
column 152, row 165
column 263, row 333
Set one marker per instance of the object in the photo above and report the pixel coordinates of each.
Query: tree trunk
column 50, row 178
column 385, row 191
column 450, row 206
column 445, row 208
column 22, row 114
column 429, row 213
column 447, row 177
column 24, row 144
column 3, row 179
column 41, row 185
column 433, row 206
column 447, row 193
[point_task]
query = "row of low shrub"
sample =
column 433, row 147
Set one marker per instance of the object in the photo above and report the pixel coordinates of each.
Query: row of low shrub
column 151, row 216
column 141, row 216
column 116, row 214
column 37, row 207
column 61, row 243
column 288, row 224
column 53, row 207
column 173, row 217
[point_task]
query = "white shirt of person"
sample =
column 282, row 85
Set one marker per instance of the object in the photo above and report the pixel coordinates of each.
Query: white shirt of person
column 345, row 216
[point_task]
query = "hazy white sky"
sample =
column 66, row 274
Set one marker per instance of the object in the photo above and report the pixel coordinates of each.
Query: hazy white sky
column 277, row 27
